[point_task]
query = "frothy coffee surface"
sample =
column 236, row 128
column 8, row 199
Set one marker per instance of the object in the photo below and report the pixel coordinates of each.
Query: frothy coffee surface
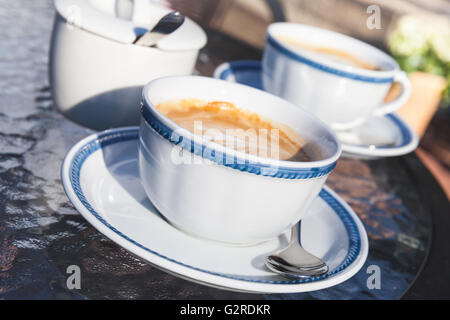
column 333, row 54
column 224, row 123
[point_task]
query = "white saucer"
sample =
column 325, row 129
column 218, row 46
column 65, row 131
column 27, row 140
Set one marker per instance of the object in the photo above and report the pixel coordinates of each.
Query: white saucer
column 100, row 177
column 386, row 136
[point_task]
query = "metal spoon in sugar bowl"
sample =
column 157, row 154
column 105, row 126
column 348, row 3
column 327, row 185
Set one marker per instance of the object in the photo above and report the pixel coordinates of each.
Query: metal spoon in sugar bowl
column 168, row 24
column 294, row 261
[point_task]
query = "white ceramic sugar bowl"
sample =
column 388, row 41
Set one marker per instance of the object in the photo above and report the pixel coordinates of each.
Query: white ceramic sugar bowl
column 97, row 73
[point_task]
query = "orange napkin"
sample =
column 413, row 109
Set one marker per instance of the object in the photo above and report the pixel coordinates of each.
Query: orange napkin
column 425, row 96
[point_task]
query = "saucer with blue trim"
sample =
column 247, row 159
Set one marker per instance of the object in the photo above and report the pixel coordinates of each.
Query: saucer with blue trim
column 378, row 137
column 100, row 176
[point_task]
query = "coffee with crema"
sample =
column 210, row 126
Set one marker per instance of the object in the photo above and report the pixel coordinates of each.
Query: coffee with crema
column 224, row 123
column 337, row 55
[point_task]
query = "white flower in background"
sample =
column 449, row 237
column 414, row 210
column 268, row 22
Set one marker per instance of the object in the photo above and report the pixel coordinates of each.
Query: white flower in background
column 410, row 37
column 441, row 46
column 422, row 44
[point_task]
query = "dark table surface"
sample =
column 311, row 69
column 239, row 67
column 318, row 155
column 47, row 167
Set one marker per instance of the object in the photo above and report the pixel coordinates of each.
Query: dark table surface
column 403, row 209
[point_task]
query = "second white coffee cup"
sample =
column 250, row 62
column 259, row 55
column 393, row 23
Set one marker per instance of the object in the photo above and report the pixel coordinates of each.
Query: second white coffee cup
column 342, row 95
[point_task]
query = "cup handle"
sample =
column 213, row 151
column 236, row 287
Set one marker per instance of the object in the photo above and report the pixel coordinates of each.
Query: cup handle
column 402, row 78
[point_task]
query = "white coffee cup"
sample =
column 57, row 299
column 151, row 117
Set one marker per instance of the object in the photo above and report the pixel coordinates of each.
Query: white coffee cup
column 243, row 201
column 342, row 95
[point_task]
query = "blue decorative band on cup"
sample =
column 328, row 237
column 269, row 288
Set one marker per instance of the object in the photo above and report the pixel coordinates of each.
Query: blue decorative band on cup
column 294, row 55
column 227, row 160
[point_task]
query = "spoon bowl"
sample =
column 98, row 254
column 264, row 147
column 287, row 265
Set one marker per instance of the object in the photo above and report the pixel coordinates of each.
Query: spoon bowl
column 294, row 261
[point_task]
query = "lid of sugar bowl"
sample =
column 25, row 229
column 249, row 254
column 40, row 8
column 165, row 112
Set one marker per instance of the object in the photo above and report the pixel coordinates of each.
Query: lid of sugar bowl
column 124, row 20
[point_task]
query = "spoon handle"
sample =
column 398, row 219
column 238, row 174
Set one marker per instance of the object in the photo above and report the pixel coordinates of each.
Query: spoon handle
column 296, row 233
column 168, row 24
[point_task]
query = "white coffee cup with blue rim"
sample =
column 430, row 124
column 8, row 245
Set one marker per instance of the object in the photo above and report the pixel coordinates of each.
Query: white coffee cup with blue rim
column 219, row 193
column 342, row 95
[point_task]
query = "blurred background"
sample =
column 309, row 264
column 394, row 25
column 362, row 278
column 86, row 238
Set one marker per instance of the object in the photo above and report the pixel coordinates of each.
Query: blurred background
column 248, row 19
column 415, row 32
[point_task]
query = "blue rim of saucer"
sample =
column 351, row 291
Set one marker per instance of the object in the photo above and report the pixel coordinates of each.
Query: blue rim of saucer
column 234, row 67
column 297, row 57
column 222, row 158
column 111, row 137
